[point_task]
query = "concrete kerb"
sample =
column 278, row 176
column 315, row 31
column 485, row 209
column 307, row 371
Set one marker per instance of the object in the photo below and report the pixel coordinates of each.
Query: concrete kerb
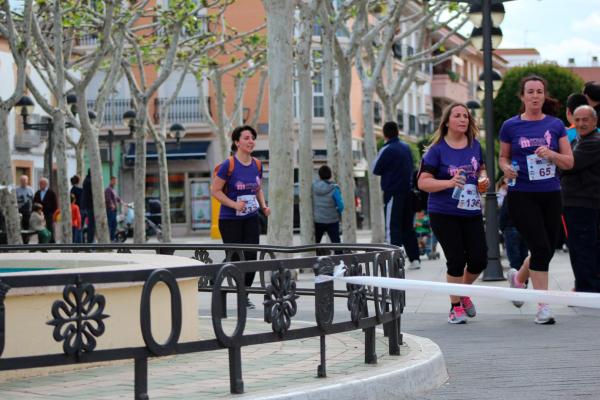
column 420, row 370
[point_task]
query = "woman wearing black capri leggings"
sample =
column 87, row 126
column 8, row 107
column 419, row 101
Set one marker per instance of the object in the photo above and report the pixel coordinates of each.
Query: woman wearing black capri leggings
column 537, row 143
column 453, row 173
column 237, row 185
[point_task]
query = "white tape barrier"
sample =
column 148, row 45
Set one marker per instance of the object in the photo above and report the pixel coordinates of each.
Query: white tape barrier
column 455, row 289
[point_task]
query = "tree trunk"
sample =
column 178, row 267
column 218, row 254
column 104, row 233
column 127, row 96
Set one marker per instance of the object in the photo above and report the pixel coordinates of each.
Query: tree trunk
column 62, row 186
column 305, row 159
column 331, row 133
column 220, row 112
column 93, row 153
column 139, row 175
column 8, row 197
column 165, row 204
column 376, row 201
column 346, row 164
column 280, row 22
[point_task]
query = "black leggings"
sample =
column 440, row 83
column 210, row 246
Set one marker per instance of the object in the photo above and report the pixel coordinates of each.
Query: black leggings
column 536, row 215
column 463, row 242
column 243, row 230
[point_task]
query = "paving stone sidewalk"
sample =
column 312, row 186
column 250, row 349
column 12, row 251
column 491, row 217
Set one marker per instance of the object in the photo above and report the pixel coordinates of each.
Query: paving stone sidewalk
column 276, row 366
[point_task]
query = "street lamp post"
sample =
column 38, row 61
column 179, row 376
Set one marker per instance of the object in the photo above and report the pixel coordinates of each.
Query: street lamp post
column 25, row 107
column 485, row 13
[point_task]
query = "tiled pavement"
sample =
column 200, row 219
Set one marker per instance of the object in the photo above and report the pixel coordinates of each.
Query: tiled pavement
column 205, row 375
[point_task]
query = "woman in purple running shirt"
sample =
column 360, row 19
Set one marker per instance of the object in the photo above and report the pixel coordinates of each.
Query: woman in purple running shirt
column 454, row 160
column 239, row 190
column 538, row 144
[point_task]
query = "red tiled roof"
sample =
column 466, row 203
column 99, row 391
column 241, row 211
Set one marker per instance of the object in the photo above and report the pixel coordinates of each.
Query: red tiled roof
column 587, row 73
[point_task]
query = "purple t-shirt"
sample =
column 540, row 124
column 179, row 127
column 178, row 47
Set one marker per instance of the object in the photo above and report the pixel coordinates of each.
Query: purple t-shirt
column 526, row 136
column 443, row 162
column 243, row 184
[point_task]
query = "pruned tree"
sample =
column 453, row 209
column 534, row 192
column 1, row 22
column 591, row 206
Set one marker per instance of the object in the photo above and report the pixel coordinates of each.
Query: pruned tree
column 341, row 48
column 280, row 19
column 155, row 44
column 240, row 53
column 65, row 68
column 17, row 31
column 304, row 69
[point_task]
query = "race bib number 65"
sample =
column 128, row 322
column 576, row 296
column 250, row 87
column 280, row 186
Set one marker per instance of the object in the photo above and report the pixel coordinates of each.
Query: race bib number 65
column 540, row 168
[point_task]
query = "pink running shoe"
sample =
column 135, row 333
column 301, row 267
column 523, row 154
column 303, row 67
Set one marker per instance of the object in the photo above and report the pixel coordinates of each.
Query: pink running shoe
column 457, row 315
column 512, row 280
column 468, row 306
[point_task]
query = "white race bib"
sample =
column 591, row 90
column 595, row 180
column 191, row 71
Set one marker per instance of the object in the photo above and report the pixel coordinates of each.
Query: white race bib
column 251, row 204
column 469, row 198
column 540, row 168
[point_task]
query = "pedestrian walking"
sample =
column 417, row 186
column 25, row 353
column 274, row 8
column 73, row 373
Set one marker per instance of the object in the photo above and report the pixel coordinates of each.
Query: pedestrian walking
column 394, row 163
column 453, row 173
column 47, row 198
column 327, row 206
column 237, row 185
column 591, row 90
column 76, row 190
column 111, row 199
column 514, row 245
column 87, row 209
column 536, row 142
column 573, row 101
column 581, row 201
column 24, row 194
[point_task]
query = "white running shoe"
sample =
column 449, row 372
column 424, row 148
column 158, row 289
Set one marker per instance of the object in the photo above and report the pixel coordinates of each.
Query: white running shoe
column 415, row 264
column 544, row 315
column 511, row 276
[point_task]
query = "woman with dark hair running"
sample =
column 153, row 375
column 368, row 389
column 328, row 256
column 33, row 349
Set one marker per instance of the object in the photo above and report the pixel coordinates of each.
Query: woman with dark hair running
column 452, row 171
column 532, row 144
column 237, row 185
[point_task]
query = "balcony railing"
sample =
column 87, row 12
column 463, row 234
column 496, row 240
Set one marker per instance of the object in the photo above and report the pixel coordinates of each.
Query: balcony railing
column 184, row 110
column 113, row 111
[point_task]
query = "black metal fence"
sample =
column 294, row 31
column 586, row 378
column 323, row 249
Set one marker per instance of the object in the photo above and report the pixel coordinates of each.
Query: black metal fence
column 78, row 324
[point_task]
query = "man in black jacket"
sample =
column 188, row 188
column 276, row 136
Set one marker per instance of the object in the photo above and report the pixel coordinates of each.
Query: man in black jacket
column 581, row 201
column 394, row 164
column 47, row 198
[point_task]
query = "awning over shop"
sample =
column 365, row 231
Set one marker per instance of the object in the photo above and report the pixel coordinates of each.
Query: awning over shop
column 185, row 151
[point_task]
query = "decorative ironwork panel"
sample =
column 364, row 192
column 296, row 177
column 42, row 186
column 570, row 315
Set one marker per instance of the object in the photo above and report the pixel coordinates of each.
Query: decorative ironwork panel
column 203, row 256
column 324, row 309
column 357, row 294
column 78, row 318
column 280, row 298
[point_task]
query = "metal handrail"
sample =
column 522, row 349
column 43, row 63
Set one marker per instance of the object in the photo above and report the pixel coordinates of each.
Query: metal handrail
column 369, row 259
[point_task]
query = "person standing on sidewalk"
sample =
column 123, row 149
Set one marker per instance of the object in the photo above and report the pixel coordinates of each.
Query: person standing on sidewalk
column 591, row 91
column 237, row 185
column 581, row 201
column 327, row 206
column 537, row 143
column 453, row 173
column 394, row 164
column 47, row 198
column 112, row 199
column 24, row 194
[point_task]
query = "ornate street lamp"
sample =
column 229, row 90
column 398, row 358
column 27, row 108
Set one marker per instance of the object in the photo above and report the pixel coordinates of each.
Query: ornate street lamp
column 25, row 107
column 177, row 131
column 129, row 121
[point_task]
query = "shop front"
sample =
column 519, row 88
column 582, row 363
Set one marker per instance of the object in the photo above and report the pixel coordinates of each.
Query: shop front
column 189, row 184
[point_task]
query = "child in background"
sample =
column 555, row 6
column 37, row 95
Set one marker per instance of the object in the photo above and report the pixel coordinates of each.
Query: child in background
column 37, row 223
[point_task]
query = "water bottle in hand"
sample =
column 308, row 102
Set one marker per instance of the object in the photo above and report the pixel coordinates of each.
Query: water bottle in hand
column 515, row 167
column 458, row 190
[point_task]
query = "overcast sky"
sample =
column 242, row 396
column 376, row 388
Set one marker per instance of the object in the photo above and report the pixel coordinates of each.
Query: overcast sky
column 559, row 29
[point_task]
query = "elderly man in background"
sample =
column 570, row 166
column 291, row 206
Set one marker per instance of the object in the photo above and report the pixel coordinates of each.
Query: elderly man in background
column 581, row 201
column 24, row 200
column 47, row 198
